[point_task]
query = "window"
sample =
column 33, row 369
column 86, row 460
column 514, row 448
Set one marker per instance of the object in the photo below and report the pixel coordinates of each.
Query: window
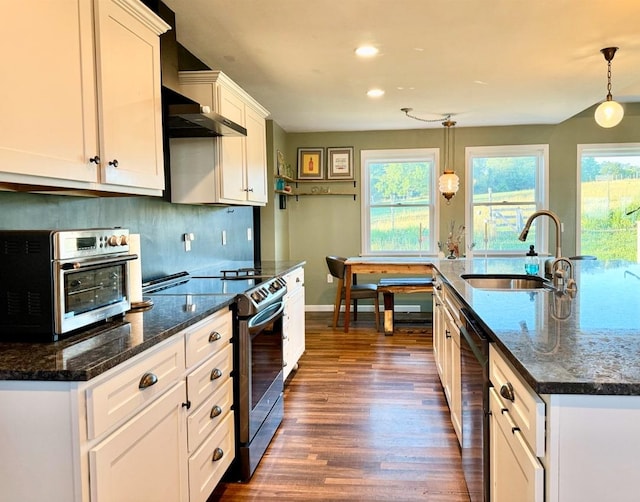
column 609, row 192
column 507, row 183
column 399, row 201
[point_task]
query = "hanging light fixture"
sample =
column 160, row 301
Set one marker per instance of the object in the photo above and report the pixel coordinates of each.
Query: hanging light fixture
column 609, row 113
column 449, row 181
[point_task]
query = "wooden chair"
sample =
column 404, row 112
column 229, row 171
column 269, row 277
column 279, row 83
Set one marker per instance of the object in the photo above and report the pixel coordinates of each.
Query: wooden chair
column 358, row 291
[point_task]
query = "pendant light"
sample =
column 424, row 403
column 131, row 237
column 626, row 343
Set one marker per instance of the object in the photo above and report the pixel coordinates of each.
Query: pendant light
column 449, row 181
column 609, row 113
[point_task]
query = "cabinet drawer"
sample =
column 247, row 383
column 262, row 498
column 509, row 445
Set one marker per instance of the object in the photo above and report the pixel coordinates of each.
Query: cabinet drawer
column 203, row 420
column 211, row 460
column 210, row 376
column 295, row 279
column 525, row 407
column 122, row 391
column 207, row 337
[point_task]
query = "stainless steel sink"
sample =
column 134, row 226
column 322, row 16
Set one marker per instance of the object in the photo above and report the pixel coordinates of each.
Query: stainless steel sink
column 506, row 281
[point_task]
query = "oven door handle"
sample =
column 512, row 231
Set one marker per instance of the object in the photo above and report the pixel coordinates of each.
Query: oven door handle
column 79, row 265
column 267, row 316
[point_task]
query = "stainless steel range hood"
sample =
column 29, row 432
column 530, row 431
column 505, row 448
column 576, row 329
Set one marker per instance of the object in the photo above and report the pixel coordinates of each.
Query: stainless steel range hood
column 186, row 118
column 182, row 116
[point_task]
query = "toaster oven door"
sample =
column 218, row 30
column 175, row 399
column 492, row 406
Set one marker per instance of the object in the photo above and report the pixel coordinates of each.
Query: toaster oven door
column 91, row 291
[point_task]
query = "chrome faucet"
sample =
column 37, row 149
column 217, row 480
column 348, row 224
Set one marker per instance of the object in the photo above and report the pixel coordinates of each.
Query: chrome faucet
column 556, row 220
column 554, row 269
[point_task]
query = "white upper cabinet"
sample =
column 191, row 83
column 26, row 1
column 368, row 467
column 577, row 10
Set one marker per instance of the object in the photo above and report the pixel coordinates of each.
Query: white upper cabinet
column 221, row 170
column 81, row 97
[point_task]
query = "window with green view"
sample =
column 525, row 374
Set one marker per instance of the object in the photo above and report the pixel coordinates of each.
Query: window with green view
column 609, row 195
column 398, row 202
column 507, row 184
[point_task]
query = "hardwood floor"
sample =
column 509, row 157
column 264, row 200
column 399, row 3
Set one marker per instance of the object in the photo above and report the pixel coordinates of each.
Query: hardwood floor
column 365, row 419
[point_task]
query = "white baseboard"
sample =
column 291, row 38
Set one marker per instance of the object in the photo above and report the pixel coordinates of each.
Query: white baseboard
column 362, row 308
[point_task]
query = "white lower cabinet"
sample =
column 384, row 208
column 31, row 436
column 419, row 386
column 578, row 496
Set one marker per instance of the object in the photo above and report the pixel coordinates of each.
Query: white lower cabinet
column 145, row 458
column 446, row 349
column 293, row 325
column 211, row 431
column 157, row 428
column 516, row 435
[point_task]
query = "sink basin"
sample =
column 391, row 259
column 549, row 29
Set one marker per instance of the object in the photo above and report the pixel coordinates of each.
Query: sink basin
column 506, row 281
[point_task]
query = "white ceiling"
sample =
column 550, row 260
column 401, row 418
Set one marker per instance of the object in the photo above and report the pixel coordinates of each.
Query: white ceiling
column 486, row 62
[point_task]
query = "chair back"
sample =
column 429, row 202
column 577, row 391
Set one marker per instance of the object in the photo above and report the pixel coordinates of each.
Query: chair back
column 336, row 266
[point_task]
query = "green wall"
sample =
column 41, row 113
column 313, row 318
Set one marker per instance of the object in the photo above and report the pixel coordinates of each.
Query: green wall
column 318, row 226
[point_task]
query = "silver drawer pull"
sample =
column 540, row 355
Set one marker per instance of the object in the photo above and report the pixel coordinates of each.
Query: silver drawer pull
column 217, row 454
column 214, row 337
column 506, row 391
column 215, row 411
column 215, row 374
column 147, row 380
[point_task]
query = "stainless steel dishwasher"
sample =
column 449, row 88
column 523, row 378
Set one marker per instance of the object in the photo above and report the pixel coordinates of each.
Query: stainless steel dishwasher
column 474, row 379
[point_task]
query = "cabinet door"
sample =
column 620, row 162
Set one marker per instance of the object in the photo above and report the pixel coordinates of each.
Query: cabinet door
column 48, row 124
column 145, row 459
column 297, row 324
column 128, row 68
column 456, row 382
column 516, row 474
column 232, row 169
column 438, row 334
column 256, row 182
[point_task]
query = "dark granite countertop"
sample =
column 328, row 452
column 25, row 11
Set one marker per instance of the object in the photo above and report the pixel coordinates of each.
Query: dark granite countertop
column 586, row 345
column 88, row 354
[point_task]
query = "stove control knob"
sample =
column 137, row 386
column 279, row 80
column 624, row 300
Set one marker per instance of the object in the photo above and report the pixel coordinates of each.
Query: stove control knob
column 114, row 240
column 118, row 240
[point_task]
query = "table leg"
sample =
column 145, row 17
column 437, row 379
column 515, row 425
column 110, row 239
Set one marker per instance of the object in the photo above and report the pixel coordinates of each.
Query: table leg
column 347, row 297
column 388, row 312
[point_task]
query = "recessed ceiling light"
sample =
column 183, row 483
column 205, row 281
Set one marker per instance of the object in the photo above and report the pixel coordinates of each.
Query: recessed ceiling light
column 375, row 93
column 366, row 51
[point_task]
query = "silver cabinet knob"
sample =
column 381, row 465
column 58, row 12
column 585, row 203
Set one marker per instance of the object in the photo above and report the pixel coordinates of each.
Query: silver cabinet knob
column 506, row 391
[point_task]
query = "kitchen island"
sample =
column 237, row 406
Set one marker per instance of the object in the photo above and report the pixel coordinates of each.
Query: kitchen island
column 573, row 364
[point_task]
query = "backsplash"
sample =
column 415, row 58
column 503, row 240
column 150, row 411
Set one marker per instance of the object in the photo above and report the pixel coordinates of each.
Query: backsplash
column 161, row 226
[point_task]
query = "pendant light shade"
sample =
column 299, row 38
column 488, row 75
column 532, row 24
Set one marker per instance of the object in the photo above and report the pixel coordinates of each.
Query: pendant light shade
column 449, row 182
column 609, row 113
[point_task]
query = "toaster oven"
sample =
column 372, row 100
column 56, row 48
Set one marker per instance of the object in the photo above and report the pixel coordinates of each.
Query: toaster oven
column 55, row 282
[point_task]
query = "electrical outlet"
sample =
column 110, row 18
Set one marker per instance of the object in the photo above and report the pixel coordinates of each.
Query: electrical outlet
column 224, row 237
column 329, row 278
column 249, row 234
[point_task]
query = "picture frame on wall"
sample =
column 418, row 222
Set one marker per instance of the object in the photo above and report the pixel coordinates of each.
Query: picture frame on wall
column 340, row 163
column 310, row 163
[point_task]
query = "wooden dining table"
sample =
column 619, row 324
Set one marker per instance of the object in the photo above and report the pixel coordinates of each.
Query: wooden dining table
column 380, row 265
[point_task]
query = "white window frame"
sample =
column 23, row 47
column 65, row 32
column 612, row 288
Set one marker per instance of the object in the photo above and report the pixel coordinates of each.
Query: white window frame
column 400, row 155
column 605, row 150
column 541, row 191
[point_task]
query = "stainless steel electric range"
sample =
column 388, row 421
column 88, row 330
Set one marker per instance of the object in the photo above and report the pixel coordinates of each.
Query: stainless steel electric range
column 257, row 338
